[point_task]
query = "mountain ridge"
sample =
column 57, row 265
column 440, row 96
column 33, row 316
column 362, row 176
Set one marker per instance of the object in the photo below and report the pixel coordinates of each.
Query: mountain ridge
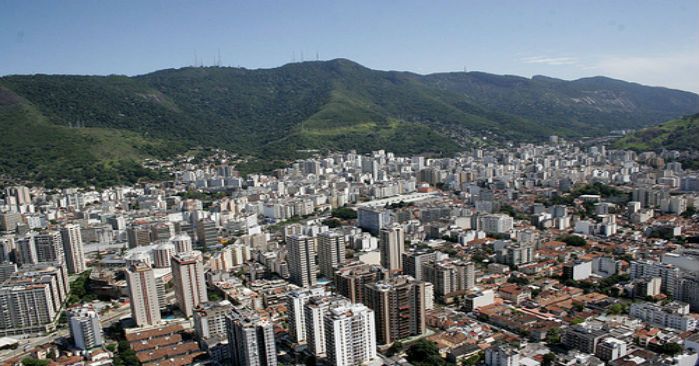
column 329, row 105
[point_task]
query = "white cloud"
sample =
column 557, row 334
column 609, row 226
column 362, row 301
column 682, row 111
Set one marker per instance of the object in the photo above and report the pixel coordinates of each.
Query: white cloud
column 553, row 61
column 680, row 70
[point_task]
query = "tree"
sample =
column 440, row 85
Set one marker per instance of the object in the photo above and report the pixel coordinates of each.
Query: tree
column 573, row 240
column 548, row 360
column 423, row 353
column 395, row 348
column 332, row 223
column 311, row 361
column 30, row 361
column 671, row 348
column 553, row 336
column 520, row 280
column 344, row 213
column 473, row 360
column 617, row 309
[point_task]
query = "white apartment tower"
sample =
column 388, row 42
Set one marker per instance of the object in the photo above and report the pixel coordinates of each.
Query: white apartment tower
column 85, row 328
column 188, row 277
column 296, row 300
column 350, row 335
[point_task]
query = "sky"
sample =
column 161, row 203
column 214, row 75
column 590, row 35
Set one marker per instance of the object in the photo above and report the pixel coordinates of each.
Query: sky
column 649, row 42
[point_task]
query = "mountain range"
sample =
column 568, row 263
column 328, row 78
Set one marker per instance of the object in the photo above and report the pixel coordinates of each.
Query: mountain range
column 68, row 129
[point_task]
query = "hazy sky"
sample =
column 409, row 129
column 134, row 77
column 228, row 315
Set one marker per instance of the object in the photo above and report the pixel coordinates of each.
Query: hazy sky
column 650, row 42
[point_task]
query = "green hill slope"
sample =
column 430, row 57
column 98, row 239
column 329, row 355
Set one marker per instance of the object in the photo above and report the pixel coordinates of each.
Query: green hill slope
column 35, row 149
column 328, row 105
column 678, row 134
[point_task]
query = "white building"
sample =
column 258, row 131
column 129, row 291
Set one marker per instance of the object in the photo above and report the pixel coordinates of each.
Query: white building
column 577, row 270
column 85, row 328
column 296, row 300
column 674, row 315
column 496, row 223
column 210, row 319
column 479, row 299
column 502, row 355
column 350, row 335
column 609, row 349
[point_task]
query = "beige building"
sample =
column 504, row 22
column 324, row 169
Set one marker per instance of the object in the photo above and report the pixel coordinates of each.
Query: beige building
column 73, row 248
column 188, row 277
column 143, row 292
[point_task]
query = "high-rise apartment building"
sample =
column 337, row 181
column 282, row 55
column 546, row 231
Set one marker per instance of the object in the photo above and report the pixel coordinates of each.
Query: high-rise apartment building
column 350, row 336
column 351, row 278
column 296, row 300
column 301, row 259
column 73, row 248
column 143, row 293
column 26, row 309
column 496, row 223
column 210, row 319
column 251, row 339
column 392, row 246
column 399, row 308
column 182, row 242
column 188, row 277
column 25, row 250
column 19, row 194
column 207, row 233
column 314, row 311
column 9, row 221
column 49, row 247
column 413, row 262
column 85, row 327
column 450, row 278
column 502, row 355
column 372, row 219
column 138, row 236
column 331, row 252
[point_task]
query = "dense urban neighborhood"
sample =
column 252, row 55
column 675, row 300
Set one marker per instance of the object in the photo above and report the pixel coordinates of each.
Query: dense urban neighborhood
column 561, row 253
